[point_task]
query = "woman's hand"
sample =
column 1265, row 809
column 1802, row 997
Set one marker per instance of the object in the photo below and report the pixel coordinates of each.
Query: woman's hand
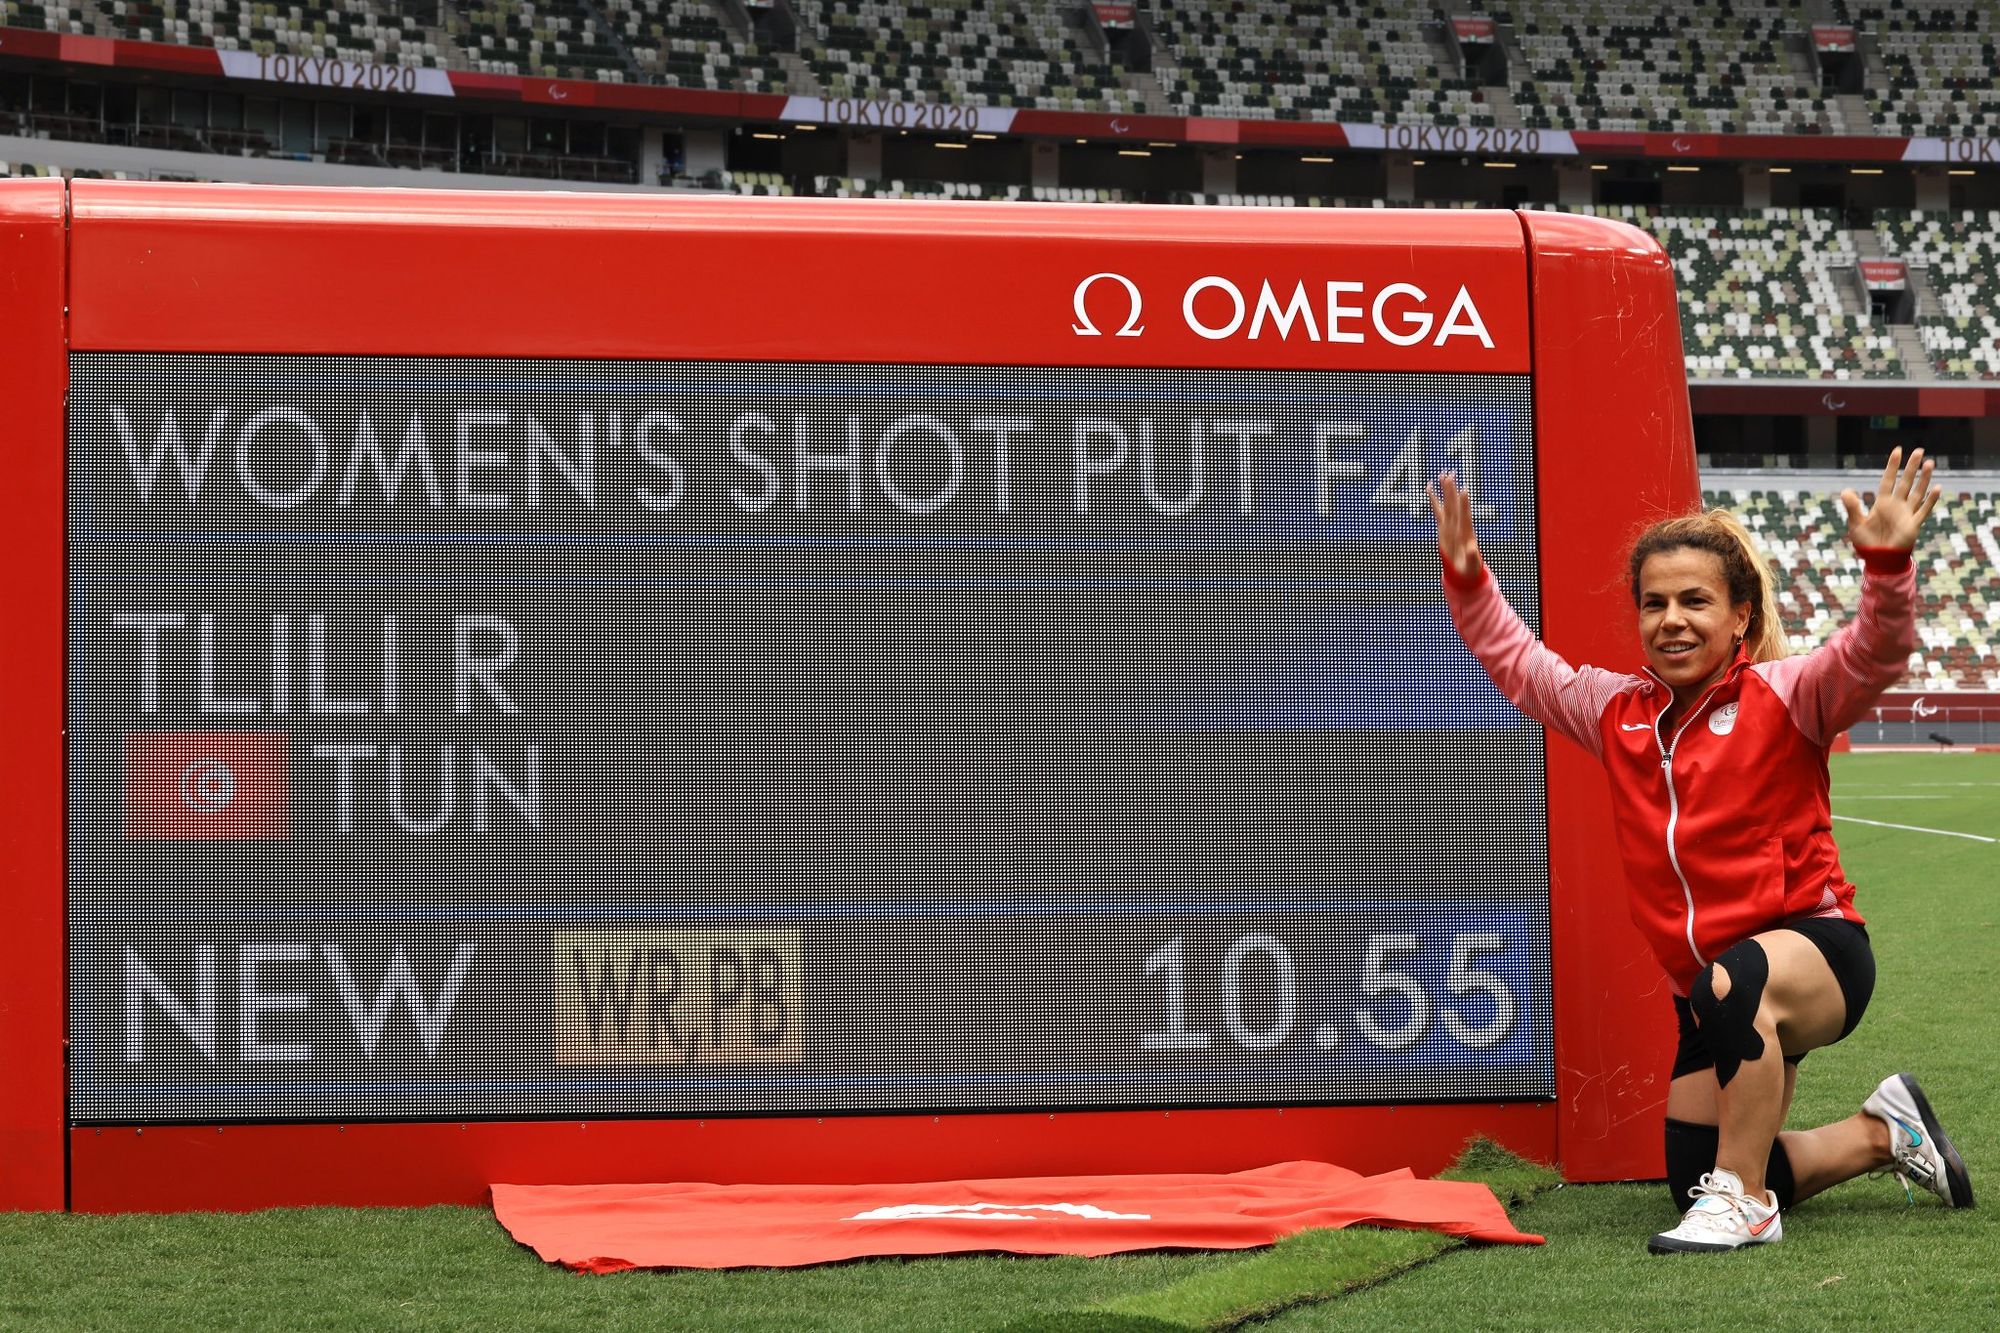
column 1902, row 503
column 1456, row 542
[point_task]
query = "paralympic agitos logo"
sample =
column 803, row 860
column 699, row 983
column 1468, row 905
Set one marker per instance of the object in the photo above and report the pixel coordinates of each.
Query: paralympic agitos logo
column 1217, row 308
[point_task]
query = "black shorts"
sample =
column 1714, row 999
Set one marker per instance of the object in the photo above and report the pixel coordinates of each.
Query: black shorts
column 1845, row 948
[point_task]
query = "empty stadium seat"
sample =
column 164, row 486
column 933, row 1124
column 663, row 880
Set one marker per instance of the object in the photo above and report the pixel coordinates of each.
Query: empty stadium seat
column 1344, row 61
column 1016, row 53
column 543, row 38
column 684, row 43
column 1758, row 295
column 1936, row 67
column 351, row 30
column 1958, row 616
column 1637, row 65
column 1960, row 258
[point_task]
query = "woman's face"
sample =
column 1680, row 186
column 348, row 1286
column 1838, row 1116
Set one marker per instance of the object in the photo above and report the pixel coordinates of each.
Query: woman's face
column 1686, row 622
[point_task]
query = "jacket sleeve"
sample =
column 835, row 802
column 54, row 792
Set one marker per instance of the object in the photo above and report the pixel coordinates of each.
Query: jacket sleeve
column 1561, row 697
column 1831, row 688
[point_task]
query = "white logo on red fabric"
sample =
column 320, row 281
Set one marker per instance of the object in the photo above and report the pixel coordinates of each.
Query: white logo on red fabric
column 1922, row 707
column 993, row 1212
column 207, row 786
column 1723, row 720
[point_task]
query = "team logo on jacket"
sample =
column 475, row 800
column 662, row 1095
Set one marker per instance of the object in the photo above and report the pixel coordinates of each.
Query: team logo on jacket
column 1723, row 720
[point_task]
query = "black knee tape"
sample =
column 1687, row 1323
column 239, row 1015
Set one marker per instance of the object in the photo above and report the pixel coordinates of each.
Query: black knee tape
column 1691, row 1155
column 1729, row 1025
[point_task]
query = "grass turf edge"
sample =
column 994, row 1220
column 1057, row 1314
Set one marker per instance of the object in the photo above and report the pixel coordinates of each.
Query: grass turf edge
column 1305, row 1269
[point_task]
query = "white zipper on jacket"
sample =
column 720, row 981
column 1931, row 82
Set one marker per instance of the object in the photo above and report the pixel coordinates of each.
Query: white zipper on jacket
column 1673, row 797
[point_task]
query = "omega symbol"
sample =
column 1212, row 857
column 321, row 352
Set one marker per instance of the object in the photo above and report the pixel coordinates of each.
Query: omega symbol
column 207, row 786
column 1084, row 328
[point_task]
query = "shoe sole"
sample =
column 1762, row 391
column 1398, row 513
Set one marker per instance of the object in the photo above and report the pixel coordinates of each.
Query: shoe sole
column 1957, row 1183
column 1661, row 1244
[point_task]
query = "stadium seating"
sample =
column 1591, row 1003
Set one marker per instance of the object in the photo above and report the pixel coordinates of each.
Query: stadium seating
column 1011, row 54
column 755, row 182
column 352, row 30
column 1707, row 65
column 57, row 17
column 1960, row 255
column 1639, row 65
column 546, row 38
column 1040, row 46
column 29, row 169
column 1804, row 533
column 1758, row 298
column 853, row 187
column 1939, row 62
column 684, row 44
column 1369, row 62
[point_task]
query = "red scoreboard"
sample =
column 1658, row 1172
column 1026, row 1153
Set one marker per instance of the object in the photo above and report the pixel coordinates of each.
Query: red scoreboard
column 556, row 688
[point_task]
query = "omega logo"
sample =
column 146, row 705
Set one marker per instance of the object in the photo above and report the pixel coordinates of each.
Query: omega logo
column 1216, row 308
column 1083, row 328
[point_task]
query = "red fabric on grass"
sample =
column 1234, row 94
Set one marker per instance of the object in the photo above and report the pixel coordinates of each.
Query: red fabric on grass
column 607, row 1228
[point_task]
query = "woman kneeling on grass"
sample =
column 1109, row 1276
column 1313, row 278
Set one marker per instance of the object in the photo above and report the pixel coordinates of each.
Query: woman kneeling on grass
column 1719, row 788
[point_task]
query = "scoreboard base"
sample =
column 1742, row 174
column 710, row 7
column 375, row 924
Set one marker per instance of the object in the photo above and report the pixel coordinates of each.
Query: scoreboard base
column 241, row 1167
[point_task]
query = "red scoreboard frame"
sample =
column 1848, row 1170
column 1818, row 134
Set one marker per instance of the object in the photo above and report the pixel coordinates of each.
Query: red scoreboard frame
column 1583, row 305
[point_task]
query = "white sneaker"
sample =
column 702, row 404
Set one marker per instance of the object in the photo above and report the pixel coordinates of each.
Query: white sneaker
column 1723, row 1218
column 1923, row 1153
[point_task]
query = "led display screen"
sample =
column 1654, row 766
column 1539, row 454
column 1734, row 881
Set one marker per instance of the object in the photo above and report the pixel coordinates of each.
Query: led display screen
column 461, row 739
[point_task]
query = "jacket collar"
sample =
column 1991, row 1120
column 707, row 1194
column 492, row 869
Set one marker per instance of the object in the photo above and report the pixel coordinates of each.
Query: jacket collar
column 1737, row 666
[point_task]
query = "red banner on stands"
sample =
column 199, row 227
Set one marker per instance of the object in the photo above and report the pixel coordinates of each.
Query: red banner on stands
column 1094, row 125
column 1833, row 36
column 1115, row 16
column 1885, row 275
column 1932, row 705
column 1472, row 27
column 609, row 1228
column 1849, row 398
column 1774, row 147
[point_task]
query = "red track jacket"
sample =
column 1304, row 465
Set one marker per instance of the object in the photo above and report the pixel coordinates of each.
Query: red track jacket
column 1724, row 826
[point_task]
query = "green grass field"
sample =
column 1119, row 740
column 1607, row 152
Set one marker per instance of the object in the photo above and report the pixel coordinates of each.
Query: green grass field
column 1857, row 1257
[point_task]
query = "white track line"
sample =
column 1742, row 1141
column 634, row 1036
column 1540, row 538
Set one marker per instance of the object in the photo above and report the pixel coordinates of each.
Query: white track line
column 1899, row 796
column 1912, row 828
